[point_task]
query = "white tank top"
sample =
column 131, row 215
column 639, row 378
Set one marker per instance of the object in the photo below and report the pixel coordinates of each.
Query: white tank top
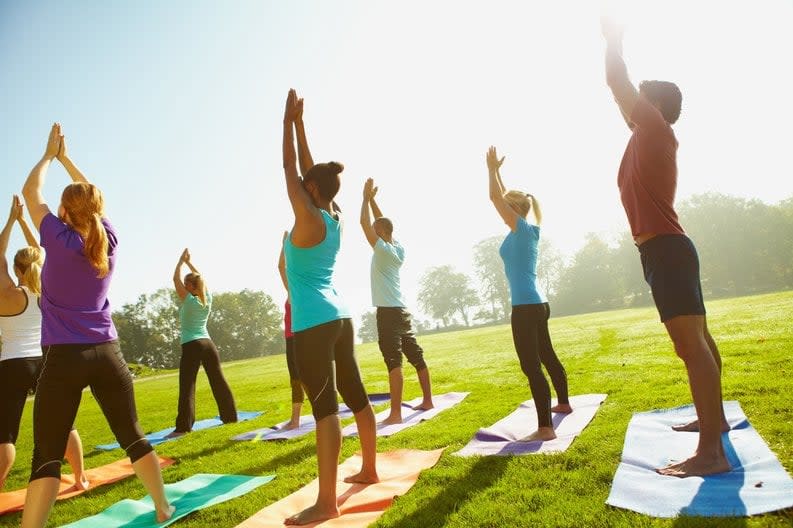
column 21, row 333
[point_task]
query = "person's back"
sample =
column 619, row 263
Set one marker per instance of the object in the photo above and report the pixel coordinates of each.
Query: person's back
column 21, row 333
column 520, row 252
column 193, row 317
column 387, row 260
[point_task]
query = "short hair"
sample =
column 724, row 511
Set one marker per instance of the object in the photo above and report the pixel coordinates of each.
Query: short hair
column 388, row 226
column 667, row 95
column 326, row 178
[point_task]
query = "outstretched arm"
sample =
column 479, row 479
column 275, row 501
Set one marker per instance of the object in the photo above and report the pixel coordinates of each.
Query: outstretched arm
column 181, row 291
column 30, row 238
column 5, row 278
column 506, row 212
column 298, row 197
column 32, row 190
column 303, row 153
column 375, row 208
column 625, row 94
column 369, row 190
column 63, row 156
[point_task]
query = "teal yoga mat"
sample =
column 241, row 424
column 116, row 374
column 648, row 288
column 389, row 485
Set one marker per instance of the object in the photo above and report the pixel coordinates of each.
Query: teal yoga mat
column 191, row 494
column 757, row 483
column 161, row 437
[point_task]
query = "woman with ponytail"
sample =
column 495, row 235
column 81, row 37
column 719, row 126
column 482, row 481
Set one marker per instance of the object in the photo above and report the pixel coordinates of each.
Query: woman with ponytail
column 197, row 349
column 78, row 335
column 20, row 357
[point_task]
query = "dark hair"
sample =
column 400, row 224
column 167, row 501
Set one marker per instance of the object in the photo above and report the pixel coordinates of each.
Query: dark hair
column 326, row 178
column 667, row 94
column 388, row 226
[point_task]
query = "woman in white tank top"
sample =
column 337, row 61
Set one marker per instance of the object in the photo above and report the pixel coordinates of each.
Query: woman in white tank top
column 20, row 355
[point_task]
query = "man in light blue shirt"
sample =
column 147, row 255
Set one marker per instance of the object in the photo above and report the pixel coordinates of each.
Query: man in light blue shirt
column 394, row 323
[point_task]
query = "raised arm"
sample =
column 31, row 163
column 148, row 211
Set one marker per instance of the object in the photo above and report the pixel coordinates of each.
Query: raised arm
column 375, row 208
column 535, row 206
column 181, row 291
column 303, row 153
column 625, row 94
column 30, row 238
column 63, row 156
column 5, row 277
column 298, row 197
column 496, row 187
column 34, row 185
column 369, row 190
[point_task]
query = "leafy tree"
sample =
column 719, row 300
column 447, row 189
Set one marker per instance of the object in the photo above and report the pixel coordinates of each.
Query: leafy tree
column 445, row 292
column 493, row 280
column 367, row 332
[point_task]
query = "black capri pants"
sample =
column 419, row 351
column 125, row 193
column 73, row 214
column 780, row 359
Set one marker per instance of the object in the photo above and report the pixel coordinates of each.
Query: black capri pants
column 66, row 371
column 395, row 337
column 326, row 361
column 294, row 377
column 17, row 380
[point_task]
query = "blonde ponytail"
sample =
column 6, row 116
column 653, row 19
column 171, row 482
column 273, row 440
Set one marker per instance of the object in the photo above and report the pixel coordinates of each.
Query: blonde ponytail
column 27, row 262
column 84, row 206
column 196, row 280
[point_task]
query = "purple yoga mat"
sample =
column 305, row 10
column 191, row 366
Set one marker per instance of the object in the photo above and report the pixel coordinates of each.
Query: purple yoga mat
column 503, row 437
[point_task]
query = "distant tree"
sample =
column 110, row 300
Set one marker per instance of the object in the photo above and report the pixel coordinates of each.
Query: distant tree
column 367, row 332
column 493, row 280
column 445, row 292
column 245, row 324
column 550, row 266
column 590, row 283
column 148, row 329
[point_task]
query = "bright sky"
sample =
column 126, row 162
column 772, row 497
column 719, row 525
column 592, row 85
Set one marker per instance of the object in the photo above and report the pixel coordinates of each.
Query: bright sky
column 174, row 109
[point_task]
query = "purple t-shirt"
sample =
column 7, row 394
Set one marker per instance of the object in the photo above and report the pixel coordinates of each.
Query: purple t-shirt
column 74, row 305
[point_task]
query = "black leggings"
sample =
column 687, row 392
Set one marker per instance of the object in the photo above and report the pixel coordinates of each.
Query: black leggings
column 194, row 354
column 67, row 370
column 316, row 350
column 395, row 337
column 17, row 379
column 533, row 345
column 291, row 365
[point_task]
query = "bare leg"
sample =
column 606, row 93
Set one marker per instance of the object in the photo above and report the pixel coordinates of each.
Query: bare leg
column 426, row 390
column 38, row 501
column 294, row 421
column 328, row 449
column 395, row 383
column 8, row 453
column 367, row 432
column 687, row 333
column 147, row 468
column 74, row 455
column 693, row 426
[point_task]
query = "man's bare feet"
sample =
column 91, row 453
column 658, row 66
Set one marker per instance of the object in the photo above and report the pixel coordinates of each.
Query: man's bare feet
column 540, row 435
column 696, row 466
column 362, row 477
column 563, row 408
column 423, row 406
column 693, row 427
column 175, row 434
column 164, row 515
column 290, row 426
column 311, row 515
column 392, row 419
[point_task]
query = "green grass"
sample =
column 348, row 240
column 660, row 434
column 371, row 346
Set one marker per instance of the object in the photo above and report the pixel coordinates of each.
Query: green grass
column 625, row 354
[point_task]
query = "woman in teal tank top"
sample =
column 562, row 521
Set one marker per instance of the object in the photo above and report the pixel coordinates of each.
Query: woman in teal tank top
column 197, row 349
column 321, row 322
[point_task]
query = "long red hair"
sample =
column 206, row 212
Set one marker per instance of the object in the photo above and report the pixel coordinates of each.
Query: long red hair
column 84, row 206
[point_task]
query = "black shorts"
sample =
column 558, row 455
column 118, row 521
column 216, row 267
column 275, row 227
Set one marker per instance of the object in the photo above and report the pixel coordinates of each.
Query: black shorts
column 17, row 380
column 396, row 337
column 671, row 268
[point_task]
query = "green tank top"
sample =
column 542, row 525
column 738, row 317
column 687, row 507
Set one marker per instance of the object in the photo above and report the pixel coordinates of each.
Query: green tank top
column 309, row 272
column 193, row 318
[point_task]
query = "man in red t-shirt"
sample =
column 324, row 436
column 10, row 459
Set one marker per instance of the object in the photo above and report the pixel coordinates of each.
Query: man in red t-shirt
column 647, row 182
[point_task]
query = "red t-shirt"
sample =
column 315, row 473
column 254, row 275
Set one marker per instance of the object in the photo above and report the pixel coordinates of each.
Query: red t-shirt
column 287, row 320
column 648, row 173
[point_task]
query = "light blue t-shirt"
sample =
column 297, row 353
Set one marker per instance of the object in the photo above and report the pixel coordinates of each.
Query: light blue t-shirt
column 386, row 261
column 309, row 273
column 519, row 252
column 193, row 317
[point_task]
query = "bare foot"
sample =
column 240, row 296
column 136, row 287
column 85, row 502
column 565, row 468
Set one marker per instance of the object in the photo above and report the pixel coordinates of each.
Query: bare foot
column 81, row 483
column 176, row 434
column 290, row 426
column 164, row 515
column 311, row 515
column 362, row 477
column 423, row 406
column 392, row 420
column 696, row 466
column 540, row 435
column 693, row 427
column 563, row 408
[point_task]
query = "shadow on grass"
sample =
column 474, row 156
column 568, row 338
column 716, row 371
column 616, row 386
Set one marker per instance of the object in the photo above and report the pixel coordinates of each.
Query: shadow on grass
column 436, row 510
column 287, row 459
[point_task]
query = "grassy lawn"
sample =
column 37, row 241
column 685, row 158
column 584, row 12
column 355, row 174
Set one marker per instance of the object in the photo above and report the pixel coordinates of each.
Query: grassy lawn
column 625, row 354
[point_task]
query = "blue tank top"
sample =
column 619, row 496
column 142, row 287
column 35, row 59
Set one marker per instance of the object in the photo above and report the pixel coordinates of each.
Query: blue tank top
column 519, row 252
column 309, row 272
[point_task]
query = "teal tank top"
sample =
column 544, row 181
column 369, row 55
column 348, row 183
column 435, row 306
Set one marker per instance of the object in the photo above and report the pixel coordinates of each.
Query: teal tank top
column 309, row 272
column 193, row 318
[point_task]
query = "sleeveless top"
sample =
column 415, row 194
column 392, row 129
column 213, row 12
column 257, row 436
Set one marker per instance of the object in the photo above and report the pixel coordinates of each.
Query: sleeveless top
column 193, row 317
column 21, row 333
column 309, row 273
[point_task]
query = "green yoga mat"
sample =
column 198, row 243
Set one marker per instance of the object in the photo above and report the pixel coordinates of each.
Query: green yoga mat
column 194, row 493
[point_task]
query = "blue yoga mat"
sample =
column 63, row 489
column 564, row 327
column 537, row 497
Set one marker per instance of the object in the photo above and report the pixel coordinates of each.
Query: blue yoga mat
column 757, row 483
column 160, row 436
column 188, row 495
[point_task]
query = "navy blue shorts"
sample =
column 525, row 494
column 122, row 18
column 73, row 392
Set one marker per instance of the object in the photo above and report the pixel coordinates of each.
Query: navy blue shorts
column 671, row 268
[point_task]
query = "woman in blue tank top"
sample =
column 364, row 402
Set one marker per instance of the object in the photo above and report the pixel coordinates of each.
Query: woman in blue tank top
column 321, row 323
column 530, row 310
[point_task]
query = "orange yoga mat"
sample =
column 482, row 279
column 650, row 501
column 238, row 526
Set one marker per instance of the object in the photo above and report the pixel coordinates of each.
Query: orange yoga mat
column 12, row 501
column 359, row 504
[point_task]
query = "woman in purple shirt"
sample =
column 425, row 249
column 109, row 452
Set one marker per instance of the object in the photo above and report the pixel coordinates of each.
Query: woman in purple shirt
column 79, row 336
